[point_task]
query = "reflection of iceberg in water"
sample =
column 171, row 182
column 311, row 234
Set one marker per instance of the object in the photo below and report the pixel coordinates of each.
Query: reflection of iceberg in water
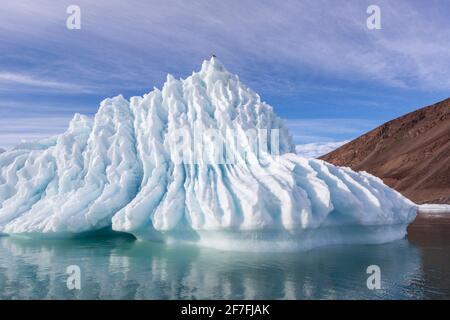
column 122, row 269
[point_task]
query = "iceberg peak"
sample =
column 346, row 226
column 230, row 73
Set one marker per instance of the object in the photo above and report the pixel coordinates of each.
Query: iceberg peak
column 211, row 65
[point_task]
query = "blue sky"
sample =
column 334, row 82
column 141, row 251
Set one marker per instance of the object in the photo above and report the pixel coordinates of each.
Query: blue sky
column 316, row 62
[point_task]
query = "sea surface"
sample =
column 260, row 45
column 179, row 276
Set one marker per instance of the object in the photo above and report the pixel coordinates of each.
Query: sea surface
column 118, row 267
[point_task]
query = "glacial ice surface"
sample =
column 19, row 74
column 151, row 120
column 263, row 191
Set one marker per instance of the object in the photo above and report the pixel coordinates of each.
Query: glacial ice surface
column 434, row 208
column 118, row 170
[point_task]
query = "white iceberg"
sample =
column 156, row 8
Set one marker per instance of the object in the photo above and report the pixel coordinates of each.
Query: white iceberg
column 120, row 170
column 434, row 208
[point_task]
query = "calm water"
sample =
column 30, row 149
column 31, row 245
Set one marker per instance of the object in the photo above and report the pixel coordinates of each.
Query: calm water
column 121, row 268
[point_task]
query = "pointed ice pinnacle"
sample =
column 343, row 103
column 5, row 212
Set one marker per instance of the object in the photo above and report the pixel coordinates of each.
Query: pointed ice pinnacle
column 212, row 64
column 119, row 170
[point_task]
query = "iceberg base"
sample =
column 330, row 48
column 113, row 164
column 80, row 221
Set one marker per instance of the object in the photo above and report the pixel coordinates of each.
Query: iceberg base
column 280, row 240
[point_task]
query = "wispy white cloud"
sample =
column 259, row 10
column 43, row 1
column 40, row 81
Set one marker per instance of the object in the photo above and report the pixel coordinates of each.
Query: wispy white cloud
column 10, row 79
column 17, row 130
column 319, row 130
column 315, row 150
column 305, row 38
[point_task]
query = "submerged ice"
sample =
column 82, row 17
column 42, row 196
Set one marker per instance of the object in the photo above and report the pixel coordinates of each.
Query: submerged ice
column 122, row 169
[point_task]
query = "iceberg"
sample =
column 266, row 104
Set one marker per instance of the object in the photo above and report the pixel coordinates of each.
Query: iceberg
column 202, row 160
column 434, row 208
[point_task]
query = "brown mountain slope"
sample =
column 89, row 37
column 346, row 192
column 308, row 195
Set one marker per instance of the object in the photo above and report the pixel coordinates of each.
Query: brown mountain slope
column 411, row 154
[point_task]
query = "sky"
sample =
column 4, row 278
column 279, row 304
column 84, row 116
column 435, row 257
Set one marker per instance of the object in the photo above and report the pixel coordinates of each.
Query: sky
column 316, row 62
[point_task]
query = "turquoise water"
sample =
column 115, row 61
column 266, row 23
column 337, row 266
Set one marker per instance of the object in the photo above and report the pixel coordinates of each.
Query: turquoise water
column 119, row 267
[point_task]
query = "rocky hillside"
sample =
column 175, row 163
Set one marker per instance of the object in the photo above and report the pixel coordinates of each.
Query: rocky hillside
column 411, row 154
